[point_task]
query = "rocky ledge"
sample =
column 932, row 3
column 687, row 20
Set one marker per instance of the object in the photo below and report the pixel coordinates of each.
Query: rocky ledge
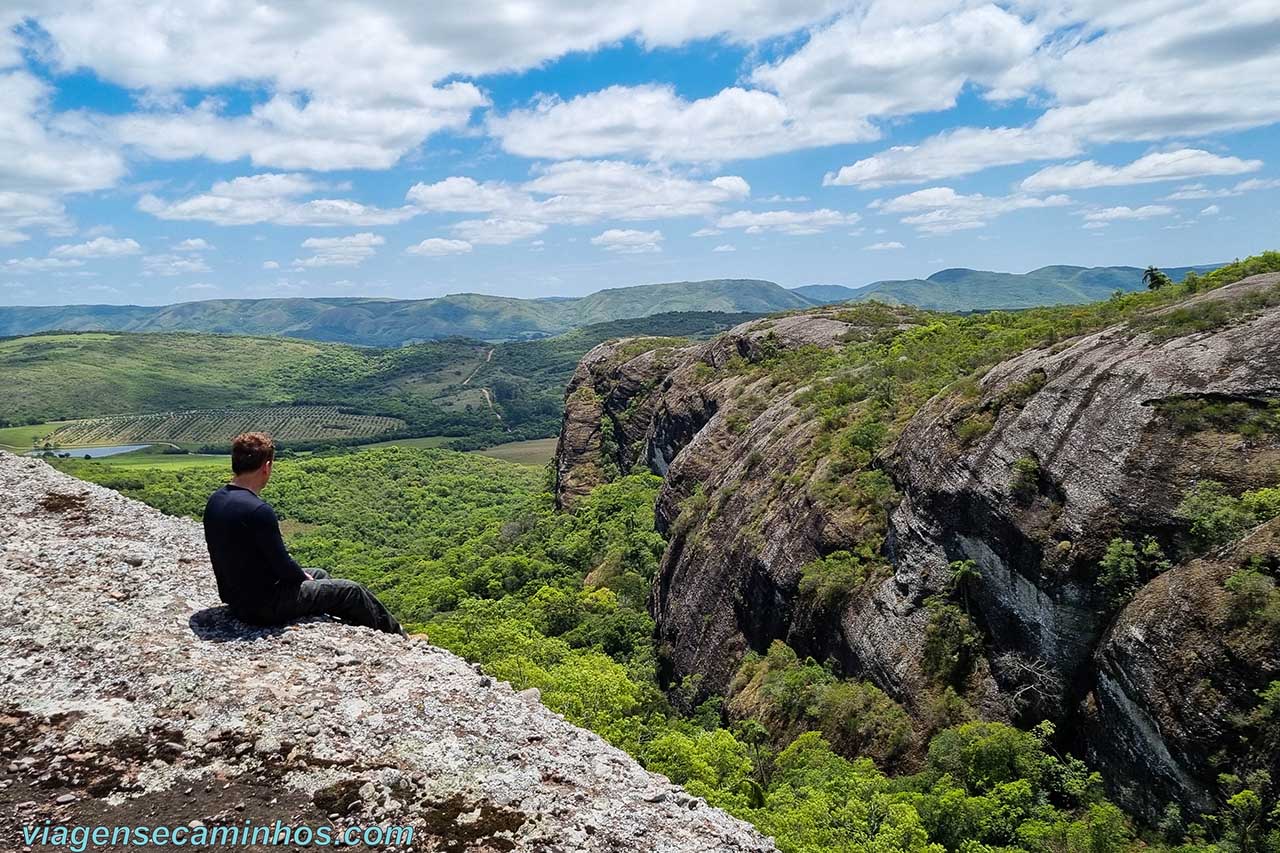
column 128, row 696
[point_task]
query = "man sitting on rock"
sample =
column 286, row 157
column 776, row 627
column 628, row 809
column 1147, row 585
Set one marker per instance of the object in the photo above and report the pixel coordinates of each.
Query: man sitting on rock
column 257, row 578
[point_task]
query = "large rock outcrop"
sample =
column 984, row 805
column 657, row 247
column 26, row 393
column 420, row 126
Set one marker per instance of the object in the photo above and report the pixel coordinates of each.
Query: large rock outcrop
column 127, row 697
column 1110, row 432
column 1176, row 673
column 1030, row 474
column 735, row 501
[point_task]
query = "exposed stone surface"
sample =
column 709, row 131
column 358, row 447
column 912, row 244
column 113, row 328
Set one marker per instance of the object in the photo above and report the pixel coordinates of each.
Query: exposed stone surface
column 1176, row 671
column 127, row 696
column 1094, row 416
column 727, row 579
column 1110, row 460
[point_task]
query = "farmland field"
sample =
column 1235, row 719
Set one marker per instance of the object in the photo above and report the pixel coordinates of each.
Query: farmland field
column 475, row 394
column 214, row 426
column 538, row 451
column 18, row 438
column 150, row 458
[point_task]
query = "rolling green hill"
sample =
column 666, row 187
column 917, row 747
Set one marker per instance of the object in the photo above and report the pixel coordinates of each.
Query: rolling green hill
column 478, row 393
column 961, row 289
column 393, row 322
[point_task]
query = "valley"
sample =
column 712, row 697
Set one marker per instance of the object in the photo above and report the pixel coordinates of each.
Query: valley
column 196, row 391
column 885, row 596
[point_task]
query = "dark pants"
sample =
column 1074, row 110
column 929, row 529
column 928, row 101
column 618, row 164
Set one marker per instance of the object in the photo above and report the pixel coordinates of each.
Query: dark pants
column 347, row 600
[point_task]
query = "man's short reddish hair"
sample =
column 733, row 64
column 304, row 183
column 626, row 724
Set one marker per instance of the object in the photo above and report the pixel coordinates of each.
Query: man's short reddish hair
column 250, row 451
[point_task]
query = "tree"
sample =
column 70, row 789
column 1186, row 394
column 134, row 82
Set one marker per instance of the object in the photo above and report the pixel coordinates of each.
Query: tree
column 1033, row 682
column 1154, row 278
column 963, row 574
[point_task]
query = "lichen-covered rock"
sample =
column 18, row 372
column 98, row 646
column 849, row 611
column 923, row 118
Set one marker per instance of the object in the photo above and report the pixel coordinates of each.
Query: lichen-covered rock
column 127, row 696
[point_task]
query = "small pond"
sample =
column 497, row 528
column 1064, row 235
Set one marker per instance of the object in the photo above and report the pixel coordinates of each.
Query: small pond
column 92, row 452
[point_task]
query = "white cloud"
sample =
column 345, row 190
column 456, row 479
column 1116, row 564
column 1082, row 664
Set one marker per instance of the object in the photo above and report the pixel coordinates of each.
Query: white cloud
column 171, row 265
column 941, row 210
column 466, row 195
column 30, row 265
column 98, row 247
column 706, row 232
column 652, row 121
column 1211, row 210
column 267, row 185
column 195, row 244
column 387, row 46
column 200, row 288
column 787, row 221
column 725, row 247
column 497, row 232
column 1200, row 191
column 339, row 251
column 580, row 192
column 351, row 87
column 1160, row 166
column 1257, row 184
column 289, row 132
column 271, row 265
column 886, row 246
column 877, row 62
column 628, row 241
column 21, row 212
column 1103, row 217
column 958, row 152
column 437, row 246
column 275, row 198
column 1111, row 72
column 43, row 152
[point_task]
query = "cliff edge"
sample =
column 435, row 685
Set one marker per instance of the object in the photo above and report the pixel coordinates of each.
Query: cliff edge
column 128, row 696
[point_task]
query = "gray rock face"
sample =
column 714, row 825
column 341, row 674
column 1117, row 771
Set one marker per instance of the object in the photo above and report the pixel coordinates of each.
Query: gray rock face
column 128, row 696
column 1030, row 475
column 1111, row 458
column 1176, row 671
column 731, row 446
column 1108, row 460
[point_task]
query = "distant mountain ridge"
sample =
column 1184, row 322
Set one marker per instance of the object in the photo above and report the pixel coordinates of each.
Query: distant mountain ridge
column 371, row 321
column 961, row 289
column 393, row 322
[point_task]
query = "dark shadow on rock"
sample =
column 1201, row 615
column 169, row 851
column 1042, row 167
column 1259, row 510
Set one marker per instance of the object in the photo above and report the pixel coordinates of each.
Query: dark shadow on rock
column 217, row 624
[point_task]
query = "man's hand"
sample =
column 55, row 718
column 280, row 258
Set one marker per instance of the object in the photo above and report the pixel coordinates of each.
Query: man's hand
column 308, row 574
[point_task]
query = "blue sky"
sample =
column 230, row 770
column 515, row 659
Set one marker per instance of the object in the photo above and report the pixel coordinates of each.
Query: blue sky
column 153, row 152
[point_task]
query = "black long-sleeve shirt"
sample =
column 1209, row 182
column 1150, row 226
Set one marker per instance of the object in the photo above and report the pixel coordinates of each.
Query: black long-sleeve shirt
column 249, row 558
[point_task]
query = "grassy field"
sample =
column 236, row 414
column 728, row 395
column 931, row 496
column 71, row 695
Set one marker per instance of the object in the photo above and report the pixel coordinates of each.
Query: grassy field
column 19, row 438
column 215, row 426
column 152, row 459
column 536, row 451
column 539, row 451
column 424, row 441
